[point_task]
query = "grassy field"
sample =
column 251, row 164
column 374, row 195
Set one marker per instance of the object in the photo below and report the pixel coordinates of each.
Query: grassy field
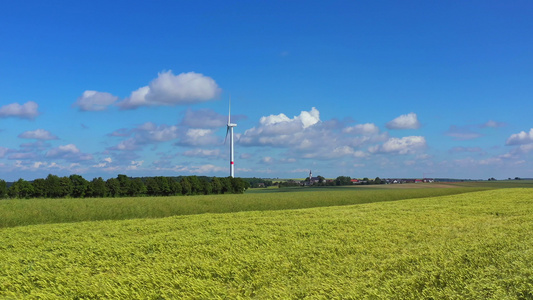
column 19, row 212
column 466, row 246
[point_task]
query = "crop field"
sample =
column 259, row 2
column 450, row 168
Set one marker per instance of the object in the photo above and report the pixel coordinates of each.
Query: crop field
column 19, row 212
column 475, row 245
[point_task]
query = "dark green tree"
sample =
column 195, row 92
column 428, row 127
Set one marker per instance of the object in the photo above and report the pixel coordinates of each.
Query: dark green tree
column 216, row 186
column 3, row 189
column 343, row 180
column 377, row 180
column 152, row 187
column 164, row 187
column 226, row 185
column 136, row 188
column 65, row 187
column 124, row 182
column 175, row 187
column 186, row 188
column 39, row 188
column 113, row 187
column 206, row 187
column 79, row 186
column 97, row 188
column 238, row 186
column 53, row 188
column 196, row 185
column 20, row 189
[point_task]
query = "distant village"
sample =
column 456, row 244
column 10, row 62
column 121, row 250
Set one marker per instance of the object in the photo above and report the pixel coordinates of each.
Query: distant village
column 346, row 180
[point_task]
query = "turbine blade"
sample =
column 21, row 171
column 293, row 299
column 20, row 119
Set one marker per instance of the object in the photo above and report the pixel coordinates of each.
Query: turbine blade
column 229, row 112
column 227, row 131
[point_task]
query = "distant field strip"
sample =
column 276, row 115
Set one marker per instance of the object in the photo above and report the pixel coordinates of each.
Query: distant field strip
column 20, row 212
column 470, row 246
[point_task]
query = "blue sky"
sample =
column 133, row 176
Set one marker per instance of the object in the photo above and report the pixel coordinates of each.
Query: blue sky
column 355, row 88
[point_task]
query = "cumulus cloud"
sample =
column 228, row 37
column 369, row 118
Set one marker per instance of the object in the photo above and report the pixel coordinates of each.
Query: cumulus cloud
column 151, row 133
column 94, row 101
column 404, row 145
column 206, row 118
column 28, row 110
column 267, row 160
column 203, row 153
column 70, row 148
column 22, row 156
column 305, row 119
column 466, row 149
column 347, row 151
column 68, row 152
column 362, row 129
column 39, row 134
column 462, row 133
column 206, row 169
column 170, row 89
column 3, row 151
column 409, row 121
column 280, row 130
column 135, row 165
column 144, row 134
column 199, row 137
column 521, row 138
column 493, row 124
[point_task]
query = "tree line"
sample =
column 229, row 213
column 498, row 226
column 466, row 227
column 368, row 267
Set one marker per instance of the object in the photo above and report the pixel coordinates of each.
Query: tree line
column 75, row 186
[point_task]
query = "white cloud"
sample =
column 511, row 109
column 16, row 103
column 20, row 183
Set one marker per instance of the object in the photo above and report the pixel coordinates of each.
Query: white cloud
column 38, row 164
column 39, row 134
column 170, row 89
column 22, row 155
column 199, row 137
column 245, row 156
column 363, row 129
column 203, row 153
column 493, row 124
column 305, row 119
column 207, row 169
column 95, row 101
column 126, row 145
column 466, row 149
column 267, row 160
column 521, row 138
column 281, row 131
column 70, row 148
column 404, row 145
column 134, row 165
column 525, row 148
column 462, row 133
column 274, row 119
column 68, row 152
column 3, row 151
column 28, row 110
column 204, row 118
column 409, row 121
column 144, row 134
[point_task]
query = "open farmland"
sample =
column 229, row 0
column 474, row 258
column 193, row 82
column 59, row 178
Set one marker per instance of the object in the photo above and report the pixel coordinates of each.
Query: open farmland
column 468, row 246
column 19, row 212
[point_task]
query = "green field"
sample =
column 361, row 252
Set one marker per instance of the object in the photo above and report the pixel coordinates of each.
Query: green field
column 19, row 212
column 471, row 245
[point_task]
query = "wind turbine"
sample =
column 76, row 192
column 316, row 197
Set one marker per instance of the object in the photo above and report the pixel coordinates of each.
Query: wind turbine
column 230, row 132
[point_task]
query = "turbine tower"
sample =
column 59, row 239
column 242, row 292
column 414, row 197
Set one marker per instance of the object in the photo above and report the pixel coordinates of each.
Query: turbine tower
column 230, row 132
